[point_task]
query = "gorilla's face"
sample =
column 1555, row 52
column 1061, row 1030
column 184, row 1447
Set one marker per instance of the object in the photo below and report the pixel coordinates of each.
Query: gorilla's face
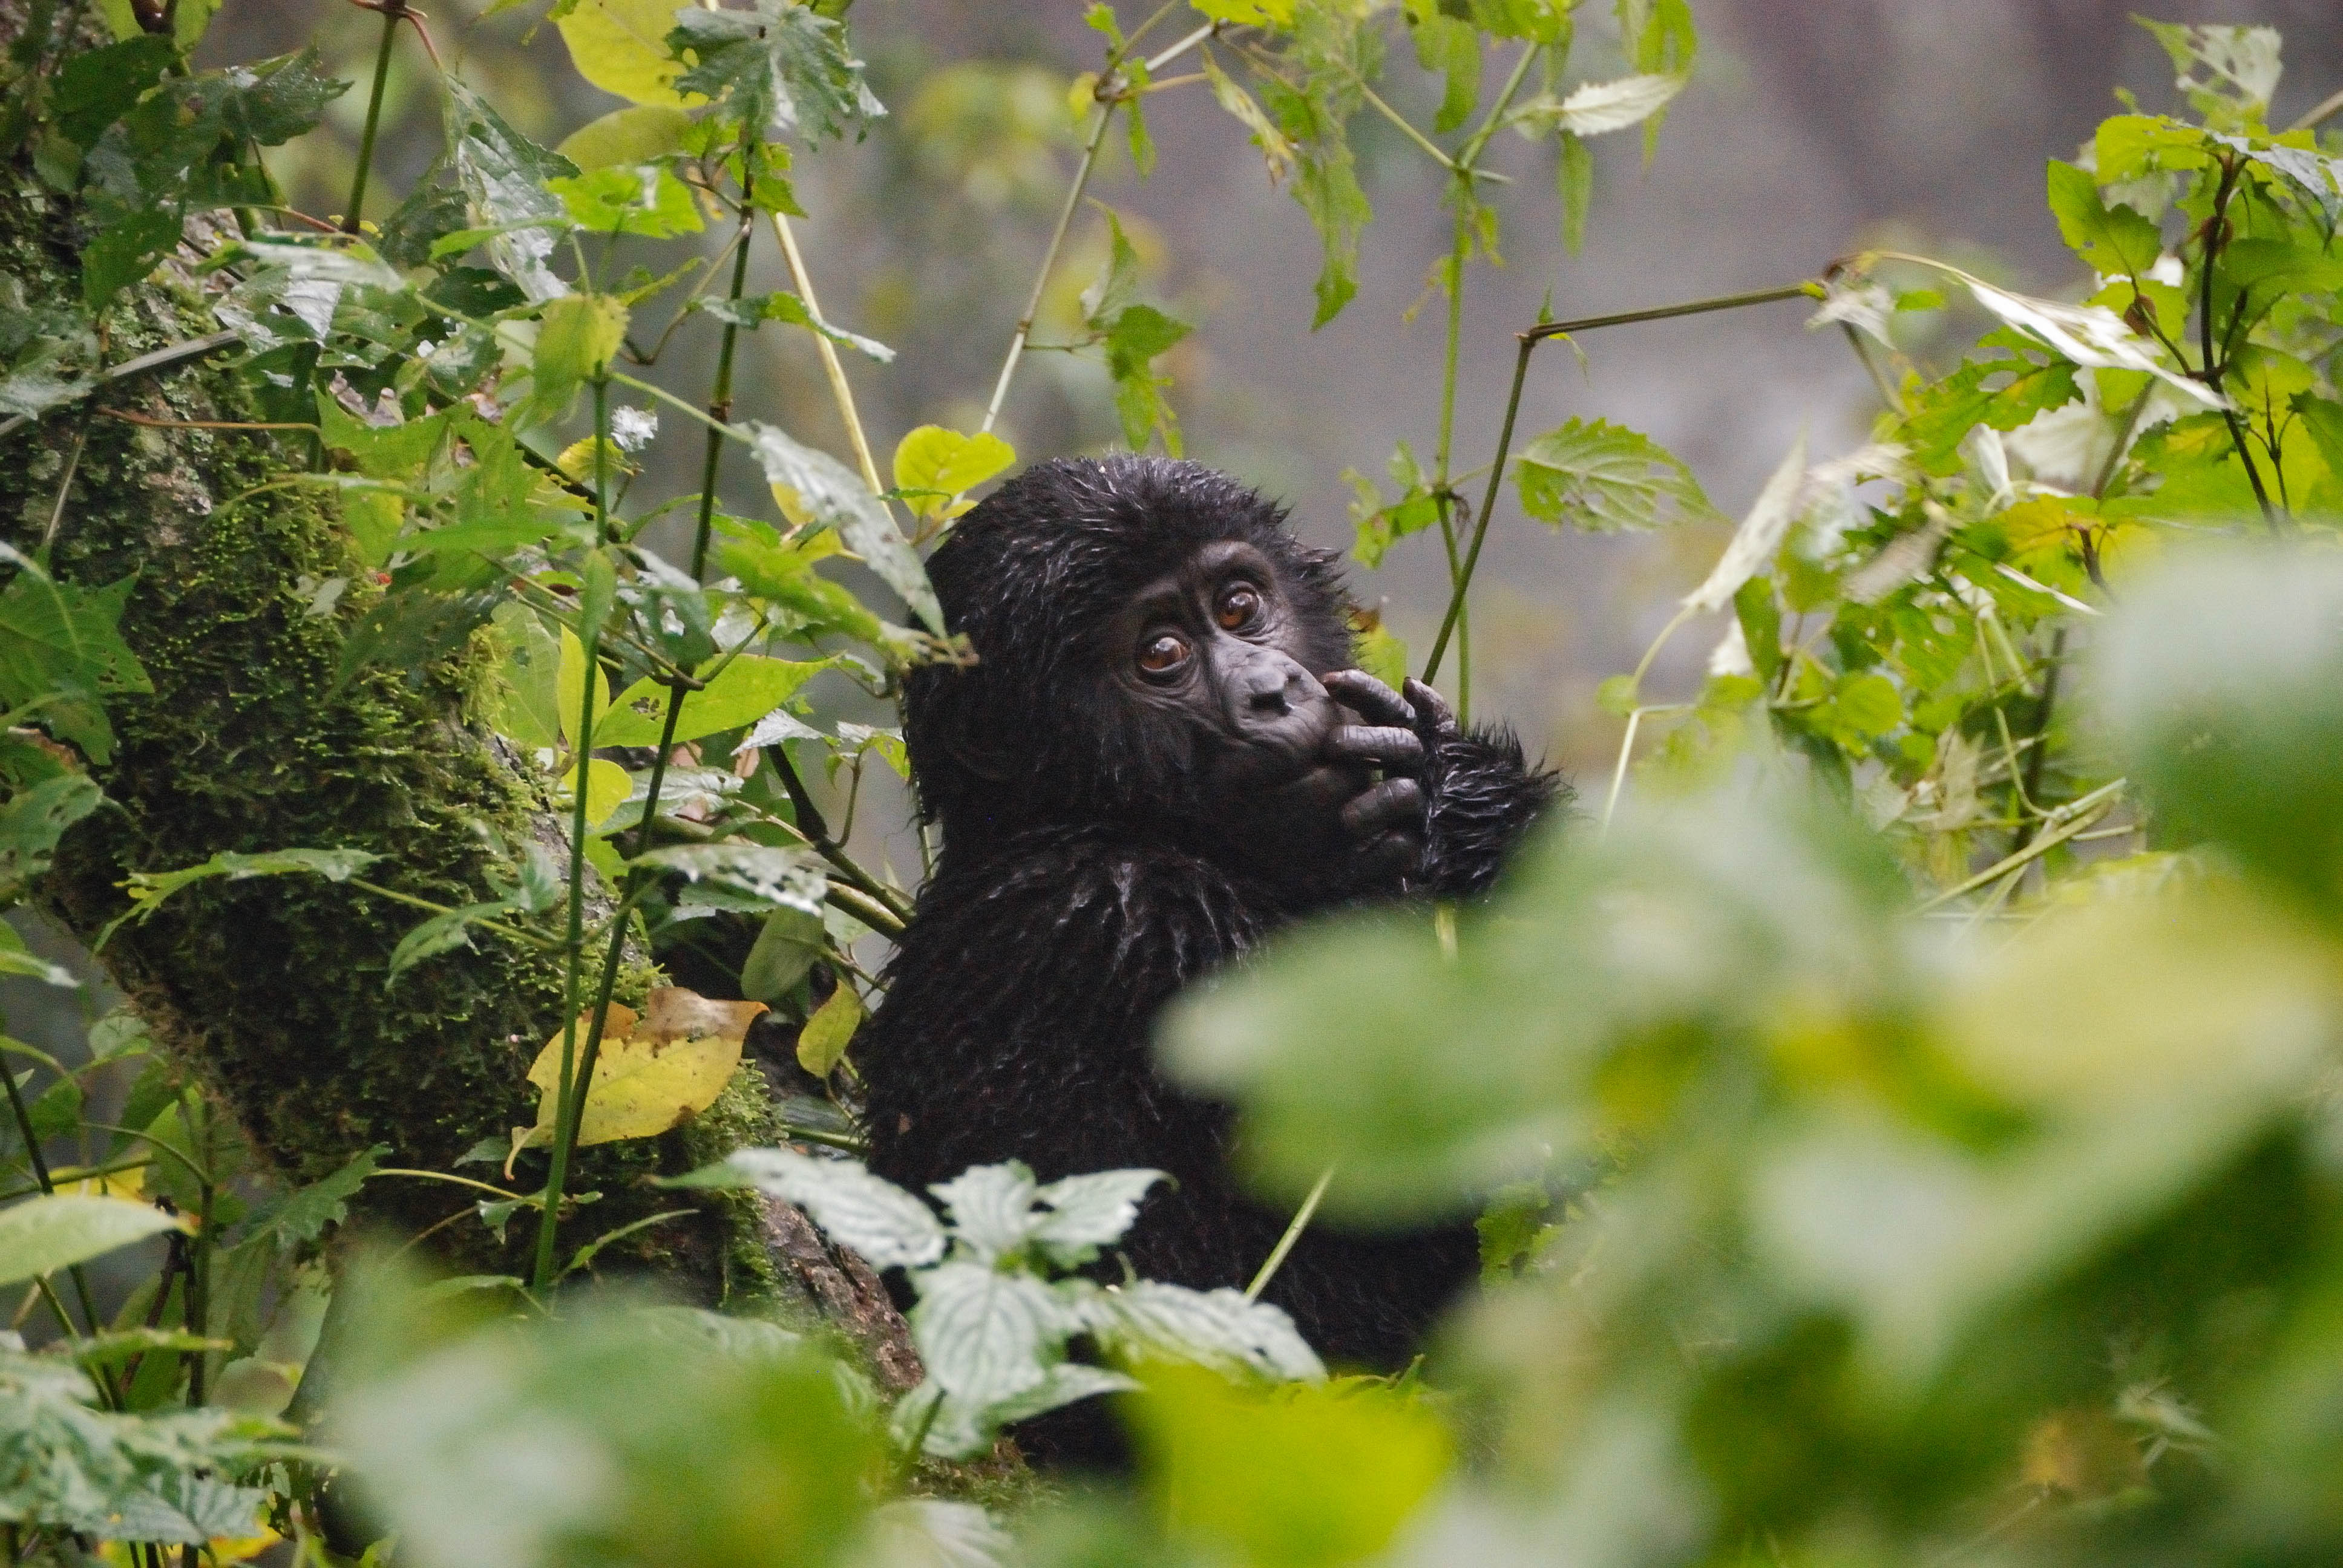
column 1215, row 648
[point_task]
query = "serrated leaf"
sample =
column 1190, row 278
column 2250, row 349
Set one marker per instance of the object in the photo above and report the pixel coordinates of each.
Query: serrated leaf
column 785, row 879
column 1088, row 1212
column 890, row 1227
column 1150, row 1321
column 1593, row 108
column 991, row 1208
column 147, row 889
column 1603, row 479
column 987, row 1336
column 782, row 65
column 813, row 488
column 56, row 1231
column 504, row 176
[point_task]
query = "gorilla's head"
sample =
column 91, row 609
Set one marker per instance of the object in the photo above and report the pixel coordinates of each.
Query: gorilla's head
column 1151, row 643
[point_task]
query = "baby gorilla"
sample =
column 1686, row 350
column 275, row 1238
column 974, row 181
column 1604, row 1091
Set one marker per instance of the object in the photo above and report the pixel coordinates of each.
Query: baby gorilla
column 1160, row 756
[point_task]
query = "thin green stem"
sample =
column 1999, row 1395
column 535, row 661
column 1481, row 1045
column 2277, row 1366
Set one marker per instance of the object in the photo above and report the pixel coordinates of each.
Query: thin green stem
column 2212, row 367
column 23, row 1115
column 557, row 1171
column 1460, row 251
column 392, row 12
column 1529, row 340
column 571, row 1111
column 1049, row 261
column 1276, row 1258
column 2073, row 817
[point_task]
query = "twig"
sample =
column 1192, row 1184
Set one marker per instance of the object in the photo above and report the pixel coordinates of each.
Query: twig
column 2319, row 114
column 831, row 366
column 2077, row 814
column 1529, row 340
column 1049, row 262
column 158, row 359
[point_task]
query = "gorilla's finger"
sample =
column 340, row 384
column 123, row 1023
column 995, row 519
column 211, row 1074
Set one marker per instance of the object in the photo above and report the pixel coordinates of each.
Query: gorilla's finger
column 1394, row 749
column 1369, row 697
column 1437, row 716
column 1395, row 856
column 1394, row 803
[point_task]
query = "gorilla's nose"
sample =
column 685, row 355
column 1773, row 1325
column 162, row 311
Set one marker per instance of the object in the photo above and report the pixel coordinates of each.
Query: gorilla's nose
column 1268, row 691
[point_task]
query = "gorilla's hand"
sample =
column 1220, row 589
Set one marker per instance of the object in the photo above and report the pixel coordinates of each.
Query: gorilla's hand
column 1383, row 820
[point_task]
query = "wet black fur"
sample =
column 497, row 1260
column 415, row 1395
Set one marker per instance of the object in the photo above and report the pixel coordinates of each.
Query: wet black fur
column 1083, row 881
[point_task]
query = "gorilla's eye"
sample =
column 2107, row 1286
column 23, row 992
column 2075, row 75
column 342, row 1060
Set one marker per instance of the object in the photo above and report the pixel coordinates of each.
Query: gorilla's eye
column 1240, row 607
column 1163, row 654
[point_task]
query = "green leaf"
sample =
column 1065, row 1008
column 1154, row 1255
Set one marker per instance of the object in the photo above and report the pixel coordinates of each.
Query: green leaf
column 823, row 1043
column 642, row 199
column 750, row 310
column 1575, row 182
column 505, row 177
column 1302, row 1476
column 33, row 821
column 147, row 889
column 41, row 1235
column 621, row 46
column 813, row 487
column 782, row 65
column 303, row 1215
column 890, row 1227
column 96, row 88
column 125, row 252
column 632, row 136
column 577, row 338
column 2113, row 241
column 1603, row 479
column 935, row 467
column 1246, row 12
column 774, row 878
column 740, row 693
column 1869, row 704
column 787, row 946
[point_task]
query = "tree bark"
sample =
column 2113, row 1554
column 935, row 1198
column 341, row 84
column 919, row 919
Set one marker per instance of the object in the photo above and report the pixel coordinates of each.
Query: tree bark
column 271, row 992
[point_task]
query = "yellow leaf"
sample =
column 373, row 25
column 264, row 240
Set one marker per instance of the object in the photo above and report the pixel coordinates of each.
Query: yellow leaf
column 570, row 687
column 946, row 463
column 652, row 1072
column 829, row 1031
column 620, row 46
column 130, row 1184
column 607, row 789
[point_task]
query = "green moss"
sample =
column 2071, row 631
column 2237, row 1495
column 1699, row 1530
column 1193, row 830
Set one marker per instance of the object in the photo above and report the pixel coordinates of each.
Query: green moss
column 272, row 990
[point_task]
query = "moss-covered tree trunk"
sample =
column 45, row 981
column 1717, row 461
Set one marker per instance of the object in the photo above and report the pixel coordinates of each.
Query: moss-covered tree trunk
column 271, row 992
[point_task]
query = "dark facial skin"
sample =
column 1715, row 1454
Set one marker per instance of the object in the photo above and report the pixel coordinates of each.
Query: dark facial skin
column 1290, row 755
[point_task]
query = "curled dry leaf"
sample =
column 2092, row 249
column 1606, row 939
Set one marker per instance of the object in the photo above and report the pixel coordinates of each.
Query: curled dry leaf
column 653, row 1070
